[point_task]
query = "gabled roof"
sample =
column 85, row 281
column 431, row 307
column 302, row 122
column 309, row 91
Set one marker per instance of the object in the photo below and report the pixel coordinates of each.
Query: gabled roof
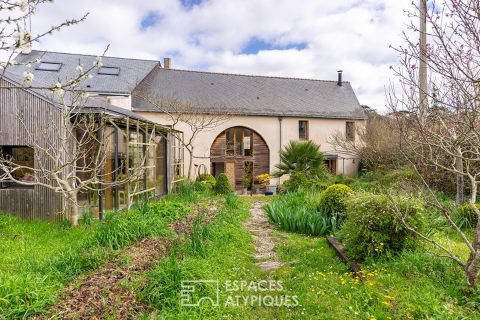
column 249, row 95
column 131, row 72
column 69, row 99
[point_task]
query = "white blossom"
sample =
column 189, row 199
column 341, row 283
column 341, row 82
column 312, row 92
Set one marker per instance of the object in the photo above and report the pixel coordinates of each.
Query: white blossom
column 85, row 94
column 98, row 62
column 23, row 5
column 22, row 38
column 79, row 68
column 28, row 76
column 89, row 76
column 58, row 89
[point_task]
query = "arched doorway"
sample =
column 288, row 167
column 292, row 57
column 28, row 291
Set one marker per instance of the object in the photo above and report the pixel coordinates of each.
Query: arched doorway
column 239, row 152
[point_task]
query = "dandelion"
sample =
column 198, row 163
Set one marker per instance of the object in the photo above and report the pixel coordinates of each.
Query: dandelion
column 28, row 76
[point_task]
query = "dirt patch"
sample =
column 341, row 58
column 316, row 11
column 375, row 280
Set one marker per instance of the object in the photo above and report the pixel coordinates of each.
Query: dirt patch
column 263, row 241
column 101, row 295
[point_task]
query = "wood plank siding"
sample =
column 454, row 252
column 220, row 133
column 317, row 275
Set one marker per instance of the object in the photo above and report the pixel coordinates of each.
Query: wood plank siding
column 37, row 202
column 234, row 164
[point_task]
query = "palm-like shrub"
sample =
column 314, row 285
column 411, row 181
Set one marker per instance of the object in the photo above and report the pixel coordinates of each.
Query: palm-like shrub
column 301, row 156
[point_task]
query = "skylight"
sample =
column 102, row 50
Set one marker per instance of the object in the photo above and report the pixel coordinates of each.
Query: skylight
column 49, row 66
column 112, row 71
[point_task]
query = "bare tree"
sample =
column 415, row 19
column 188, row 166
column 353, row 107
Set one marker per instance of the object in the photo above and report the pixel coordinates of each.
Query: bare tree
column 446, row 132
column 193, row 116
column 378, row 144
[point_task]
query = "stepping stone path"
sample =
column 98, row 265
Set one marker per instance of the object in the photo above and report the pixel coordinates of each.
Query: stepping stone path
column 263, row 242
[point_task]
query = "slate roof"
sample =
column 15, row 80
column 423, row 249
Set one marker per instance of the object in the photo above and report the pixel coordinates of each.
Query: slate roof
column 132, row 71
column 249, row 95
column 90, row 104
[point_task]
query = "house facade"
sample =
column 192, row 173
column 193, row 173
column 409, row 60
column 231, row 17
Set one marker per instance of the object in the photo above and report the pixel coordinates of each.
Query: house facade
column 262, row 115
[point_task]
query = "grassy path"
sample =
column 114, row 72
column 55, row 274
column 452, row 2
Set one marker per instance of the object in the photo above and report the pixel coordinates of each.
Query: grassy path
column 263, row 242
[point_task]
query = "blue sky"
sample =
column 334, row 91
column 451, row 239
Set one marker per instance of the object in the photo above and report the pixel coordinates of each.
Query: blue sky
column 308, row 38
column 255, row 45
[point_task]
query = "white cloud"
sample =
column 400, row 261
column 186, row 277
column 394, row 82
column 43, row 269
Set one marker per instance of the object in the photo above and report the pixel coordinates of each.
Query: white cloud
column 345, row 34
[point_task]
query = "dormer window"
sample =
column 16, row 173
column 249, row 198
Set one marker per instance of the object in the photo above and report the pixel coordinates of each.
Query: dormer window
column 49, row 66
column 111, row 71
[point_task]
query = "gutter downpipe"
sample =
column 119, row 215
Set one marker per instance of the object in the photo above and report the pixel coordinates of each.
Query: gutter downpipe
column 100, row 173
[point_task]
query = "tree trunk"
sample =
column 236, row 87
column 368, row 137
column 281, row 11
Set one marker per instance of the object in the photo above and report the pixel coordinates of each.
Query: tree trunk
column 460, row 182
column 72, row 206
column 472, row 269
column 190, row 164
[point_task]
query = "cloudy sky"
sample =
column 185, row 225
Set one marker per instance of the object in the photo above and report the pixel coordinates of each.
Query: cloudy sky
column 292, row 38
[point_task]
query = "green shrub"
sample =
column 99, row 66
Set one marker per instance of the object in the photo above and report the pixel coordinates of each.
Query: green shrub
column 223, row 184
column 372, row 226
column 465, row 217
column 341, row 179
column 298, row 181
column 208, row 179
column 185, row 189
column 334, row 199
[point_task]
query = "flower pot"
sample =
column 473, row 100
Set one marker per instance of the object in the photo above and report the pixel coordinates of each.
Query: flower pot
column 272, row 190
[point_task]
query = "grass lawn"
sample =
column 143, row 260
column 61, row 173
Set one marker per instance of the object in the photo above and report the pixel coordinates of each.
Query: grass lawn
column 36, row 265
column 44, row 256
column 411, row 286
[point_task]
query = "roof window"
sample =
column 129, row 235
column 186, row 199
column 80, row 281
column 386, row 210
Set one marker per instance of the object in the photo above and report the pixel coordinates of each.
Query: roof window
column 49, row 66
column 112, row 71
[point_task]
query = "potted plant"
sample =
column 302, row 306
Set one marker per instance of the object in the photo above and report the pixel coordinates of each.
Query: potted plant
column 256, row 188
column 247, row 179
column 264, row 180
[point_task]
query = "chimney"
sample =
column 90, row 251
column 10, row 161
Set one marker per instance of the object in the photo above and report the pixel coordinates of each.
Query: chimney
column 167, row 62
column 339, row 83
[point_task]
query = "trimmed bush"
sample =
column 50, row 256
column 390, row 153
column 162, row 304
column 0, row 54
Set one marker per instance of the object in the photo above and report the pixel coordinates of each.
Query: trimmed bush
column 223, row 184
column 465, row 217
column 373, row 228
column 334, row 199
column 208, row 179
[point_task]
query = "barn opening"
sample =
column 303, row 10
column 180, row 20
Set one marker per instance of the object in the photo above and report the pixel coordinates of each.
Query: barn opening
column 242, row 154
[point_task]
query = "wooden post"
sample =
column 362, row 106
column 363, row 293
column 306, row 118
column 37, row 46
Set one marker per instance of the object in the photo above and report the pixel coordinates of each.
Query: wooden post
column 127, row 163
column 422, row 75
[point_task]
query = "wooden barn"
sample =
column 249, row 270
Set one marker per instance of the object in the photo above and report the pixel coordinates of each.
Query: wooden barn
column 30, row 119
